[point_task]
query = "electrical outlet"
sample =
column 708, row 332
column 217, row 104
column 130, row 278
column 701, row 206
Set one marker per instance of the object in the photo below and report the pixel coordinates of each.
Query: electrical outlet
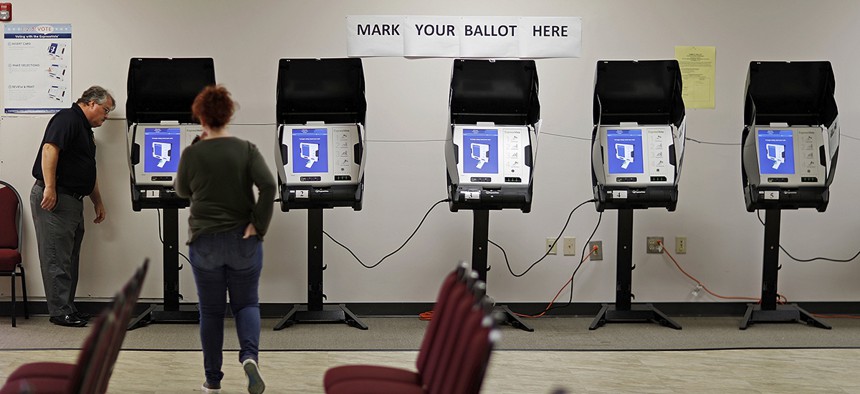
column 551, row 246
column 570, row 246
column 680, row 245
column 596, row 250
column 655, row 245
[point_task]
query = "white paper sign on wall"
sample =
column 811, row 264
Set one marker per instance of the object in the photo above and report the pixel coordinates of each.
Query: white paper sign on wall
column 550, row 37
column 489, row 37
column 464, row 36
column 432, row 36
column 369, row 35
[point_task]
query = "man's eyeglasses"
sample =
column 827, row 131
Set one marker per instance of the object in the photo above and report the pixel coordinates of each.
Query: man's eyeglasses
column 104, row 108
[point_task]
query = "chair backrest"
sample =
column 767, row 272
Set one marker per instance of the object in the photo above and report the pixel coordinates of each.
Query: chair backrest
column 444, row 346
column 440, row 309
column 464, row 372
column 94, row 343
column 444, row 381
column 122, row 309
column 91, row 379
column 447, row 377
column 476, row 358
column 10, row 217
column 101, row 348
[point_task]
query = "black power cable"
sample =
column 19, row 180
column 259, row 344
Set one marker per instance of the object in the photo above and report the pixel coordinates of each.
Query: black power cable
column 161, row 238
column 578, row 266
column 758, row 214
column 566, row 223
column 713, row 143
column 396, row 250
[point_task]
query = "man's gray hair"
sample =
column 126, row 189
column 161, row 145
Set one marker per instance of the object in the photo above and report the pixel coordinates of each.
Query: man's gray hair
column 98, row 94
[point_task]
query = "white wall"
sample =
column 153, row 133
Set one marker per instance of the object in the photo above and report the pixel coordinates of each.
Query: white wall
column 407, row 104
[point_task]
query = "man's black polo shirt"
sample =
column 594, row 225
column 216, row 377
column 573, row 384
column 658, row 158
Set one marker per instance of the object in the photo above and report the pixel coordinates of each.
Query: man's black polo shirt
column 70, row 130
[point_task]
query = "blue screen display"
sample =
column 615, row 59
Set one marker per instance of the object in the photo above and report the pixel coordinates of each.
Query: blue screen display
column 624, row 151
column 162, row 146
column 310, row 151
column 776, row 151
column 480, row 151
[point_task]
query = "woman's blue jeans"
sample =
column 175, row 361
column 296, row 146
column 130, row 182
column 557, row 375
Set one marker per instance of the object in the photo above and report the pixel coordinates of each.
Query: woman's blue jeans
column 226, row 263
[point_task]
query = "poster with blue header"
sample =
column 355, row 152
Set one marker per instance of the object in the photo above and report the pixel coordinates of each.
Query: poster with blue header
column 776, row 152
column 624, row 151
column 310, row 151
column 480, row 151
column 161, row 149
column 38, row 68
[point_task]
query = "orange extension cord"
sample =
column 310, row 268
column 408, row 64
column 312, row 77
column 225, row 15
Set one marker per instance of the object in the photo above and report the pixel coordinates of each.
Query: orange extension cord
column 569, row 282
column 781, row 299
column 702, row 285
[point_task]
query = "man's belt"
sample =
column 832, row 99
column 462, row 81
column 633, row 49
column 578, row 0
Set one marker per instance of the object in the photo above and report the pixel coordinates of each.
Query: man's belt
column 62, row 190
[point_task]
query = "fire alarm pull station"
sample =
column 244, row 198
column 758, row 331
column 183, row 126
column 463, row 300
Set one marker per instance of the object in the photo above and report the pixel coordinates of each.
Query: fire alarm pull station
column 5, row 12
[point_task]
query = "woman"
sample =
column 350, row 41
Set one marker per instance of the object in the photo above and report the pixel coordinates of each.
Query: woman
column 226, row 228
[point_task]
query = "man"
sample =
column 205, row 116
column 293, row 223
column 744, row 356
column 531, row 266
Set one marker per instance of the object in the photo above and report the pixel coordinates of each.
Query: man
column 65, row 172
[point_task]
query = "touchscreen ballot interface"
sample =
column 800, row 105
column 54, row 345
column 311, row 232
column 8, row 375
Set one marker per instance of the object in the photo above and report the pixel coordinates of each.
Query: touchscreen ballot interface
column 320, row 155
column 637, row 156
column 492, row 155
column 312, row 155
column 790, row 156
column 160, row 147
column 479, row 143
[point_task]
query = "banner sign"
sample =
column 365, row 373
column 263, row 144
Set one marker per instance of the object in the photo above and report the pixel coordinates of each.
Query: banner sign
column 38, row 65
column 464, row 37
column 431, row 36
column 490, row 36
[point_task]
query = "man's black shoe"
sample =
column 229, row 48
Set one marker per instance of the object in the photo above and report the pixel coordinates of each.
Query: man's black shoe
column 68, row 321
column 84, row 316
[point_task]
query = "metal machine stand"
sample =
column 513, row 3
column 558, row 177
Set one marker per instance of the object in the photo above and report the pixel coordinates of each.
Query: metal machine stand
column 768, row 311
column 623, row 310
column 315, row 311
column 480, row 236
column 170, row 311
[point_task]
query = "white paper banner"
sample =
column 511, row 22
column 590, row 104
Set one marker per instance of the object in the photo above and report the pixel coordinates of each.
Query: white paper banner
column 550, row 37
column 38, row 65
column 489, row 37
column 369, row 35
column 432, row 36
column 466, row 36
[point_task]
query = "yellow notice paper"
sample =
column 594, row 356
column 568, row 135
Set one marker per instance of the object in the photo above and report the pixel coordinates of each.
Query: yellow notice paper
column 697, row 71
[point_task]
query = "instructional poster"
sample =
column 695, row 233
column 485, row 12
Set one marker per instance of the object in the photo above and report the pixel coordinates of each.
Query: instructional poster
column 38, row 67
column 698, row 66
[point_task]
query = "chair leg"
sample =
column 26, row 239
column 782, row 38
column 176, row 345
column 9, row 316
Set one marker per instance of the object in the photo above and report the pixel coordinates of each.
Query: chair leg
column 13, row 299
column 24, row 292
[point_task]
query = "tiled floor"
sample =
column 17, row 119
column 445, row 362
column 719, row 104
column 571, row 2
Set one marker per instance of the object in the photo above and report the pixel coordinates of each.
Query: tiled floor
column 713, row 371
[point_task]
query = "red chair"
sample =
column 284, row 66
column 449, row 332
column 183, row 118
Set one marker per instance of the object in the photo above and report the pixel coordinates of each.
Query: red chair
column 130, row 294
column 445, row 352
column 91, row 373
column 466, row 374
column 61, row 378
column 10, row 242
column 451, row 284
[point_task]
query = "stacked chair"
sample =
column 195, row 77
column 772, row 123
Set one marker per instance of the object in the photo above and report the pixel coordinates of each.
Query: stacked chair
column 91, row 373
column 11, row 218
column 454, row 353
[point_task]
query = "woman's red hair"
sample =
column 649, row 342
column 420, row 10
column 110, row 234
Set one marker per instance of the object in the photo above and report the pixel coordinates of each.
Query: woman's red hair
column 213, row 107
